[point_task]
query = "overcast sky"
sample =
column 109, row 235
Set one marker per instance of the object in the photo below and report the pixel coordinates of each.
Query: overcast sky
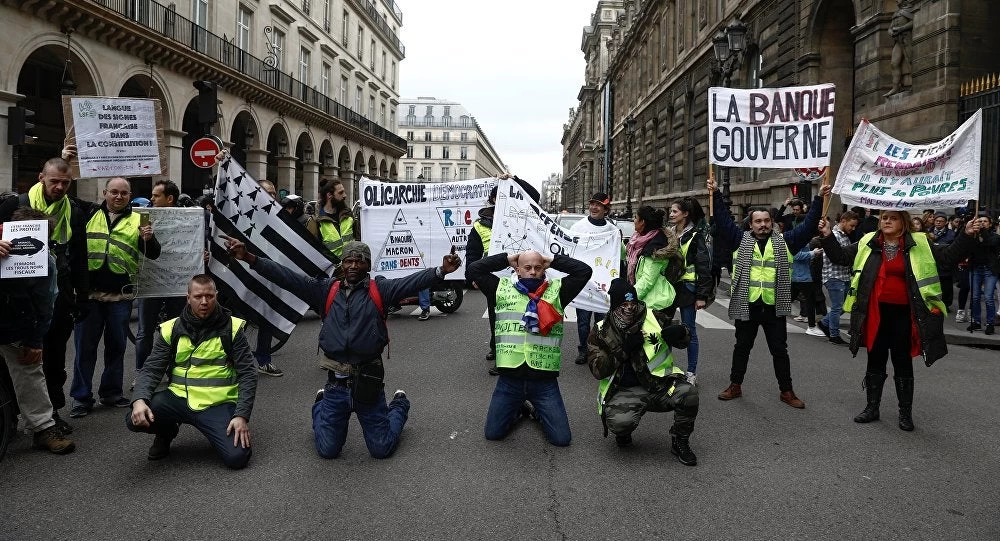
column 515, row 65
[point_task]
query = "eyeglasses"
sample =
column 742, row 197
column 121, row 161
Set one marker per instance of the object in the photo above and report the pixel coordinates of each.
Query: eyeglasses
column 116, row 193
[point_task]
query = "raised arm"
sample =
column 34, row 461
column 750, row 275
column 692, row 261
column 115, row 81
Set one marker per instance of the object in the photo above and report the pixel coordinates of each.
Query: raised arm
column 481, row 272
column 577, row 276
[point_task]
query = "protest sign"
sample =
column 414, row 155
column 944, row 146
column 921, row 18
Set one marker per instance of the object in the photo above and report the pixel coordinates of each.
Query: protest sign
column 881, row 172
column 115, row 136
column 412, row 226
column 29, row 250
column 771, row 127
column 519, row 224
column 181, row 234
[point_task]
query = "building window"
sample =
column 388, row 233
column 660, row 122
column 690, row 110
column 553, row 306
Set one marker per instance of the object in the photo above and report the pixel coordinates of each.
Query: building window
column 427, row 151
column 325, row 79
column 304, row 60
column 463, row 173
column 385, row 60
column 371, row 58
column 392, row 120
column 326, row 16
column 465, row 121
column 426, row 173
column 343, row 90
column 371, row 107
column 345, row 29
column 463, row 136
column 381, row 118
column 358, row 107
column 446, row 136
column 430, row 111
column 361, row 43
column 463, row 153
column 412, row 111
column 409, row 152
column 409, row 172
column 393, row 75
column 279, row 49
column 427, row 136
column 445, row 152
column 305, row 6
column 244, row 25
column 409, row 136
column 445, row 173
column 199, row 12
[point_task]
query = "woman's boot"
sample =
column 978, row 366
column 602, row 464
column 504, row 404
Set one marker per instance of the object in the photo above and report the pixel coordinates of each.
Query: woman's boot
column 873, row 389
column 904, row 391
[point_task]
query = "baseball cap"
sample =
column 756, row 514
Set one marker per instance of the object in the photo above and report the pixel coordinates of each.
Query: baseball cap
column 602, row 198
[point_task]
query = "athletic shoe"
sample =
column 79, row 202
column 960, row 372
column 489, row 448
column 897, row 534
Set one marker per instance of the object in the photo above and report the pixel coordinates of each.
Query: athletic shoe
column 961, row 316
column 424, row 315
column 493, row 371
column 813, row 331
column 528, row 411
column 269, row 370
column 491, row 356
column 974, row 326
column 801, row 319
column 120, row 402
column 79, row 410
column 319, row 395
column 837, row 340
column 691, row 378
column 398, row 394
column 393, row 310
column 823, row 327
column 990, row 329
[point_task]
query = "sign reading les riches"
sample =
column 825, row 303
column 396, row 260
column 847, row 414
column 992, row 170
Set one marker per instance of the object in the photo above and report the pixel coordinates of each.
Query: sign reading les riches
column 771, row 127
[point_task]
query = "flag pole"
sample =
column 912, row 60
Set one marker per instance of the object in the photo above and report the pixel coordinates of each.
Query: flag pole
column 826, row 198
column 711, row 196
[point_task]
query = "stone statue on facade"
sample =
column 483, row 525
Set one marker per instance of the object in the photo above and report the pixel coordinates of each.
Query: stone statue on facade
column 901, row 31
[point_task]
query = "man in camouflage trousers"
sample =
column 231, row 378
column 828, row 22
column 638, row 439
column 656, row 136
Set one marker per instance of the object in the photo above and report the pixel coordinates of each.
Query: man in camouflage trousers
column 630, row 355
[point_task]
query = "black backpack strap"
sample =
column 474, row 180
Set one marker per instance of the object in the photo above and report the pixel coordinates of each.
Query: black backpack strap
column 227, row 338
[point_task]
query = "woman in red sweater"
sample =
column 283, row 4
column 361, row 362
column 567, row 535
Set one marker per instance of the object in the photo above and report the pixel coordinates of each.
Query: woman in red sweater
column 895, row 302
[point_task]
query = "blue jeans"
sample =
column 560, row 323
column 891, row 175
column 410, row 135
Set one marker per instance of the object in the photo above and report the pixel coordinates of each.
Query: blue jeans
column 170, row 410
column 110, row 320
column 424, row 299
column 688, row 314
column 838, row 292
column 149, row 312
column 983, row 277
column 583, row 326
column 508, row 396
column 380, row 424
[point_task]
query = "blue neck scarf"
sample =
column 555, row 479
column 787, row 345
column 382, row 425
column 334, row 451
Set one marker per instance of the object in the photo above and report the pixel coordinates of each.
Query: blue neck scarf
column 533, row 288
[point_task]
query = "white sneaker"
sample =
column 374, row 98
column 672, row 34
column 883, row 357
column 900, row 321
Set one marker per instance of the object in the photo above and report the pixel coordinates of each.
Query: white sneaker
column 692, row 378
column 801, row 319
column 961, row 317
column 814, row 331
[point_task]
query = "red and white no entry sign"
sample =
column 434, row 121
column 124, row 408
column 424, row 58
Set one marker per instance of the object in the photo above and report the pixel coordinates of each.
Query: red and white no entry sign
column 203, row 152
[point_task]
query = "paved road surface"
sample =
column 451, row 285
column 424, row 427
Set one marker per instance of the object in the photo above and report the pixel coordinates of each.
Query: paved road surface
column 766, row 471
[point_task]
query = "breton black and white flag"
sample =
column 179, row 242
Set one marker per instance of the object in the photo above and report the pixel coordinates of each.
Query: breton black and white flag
column 244, row 211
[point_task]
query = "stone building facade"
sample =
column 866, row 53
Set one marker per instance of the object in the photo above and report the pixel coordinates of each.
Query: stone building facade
column 444, row 143
column 663, row 64
column 307, row 90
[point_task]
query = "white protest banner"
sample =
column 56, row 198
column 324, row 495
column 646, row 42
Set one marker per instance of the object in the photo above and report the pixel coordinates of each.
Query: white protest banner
column 181, row 234
column 412, row 226
column 29, row 249
column 885, row 173
column 115, row 136
column 519, row 224
column 771, row 127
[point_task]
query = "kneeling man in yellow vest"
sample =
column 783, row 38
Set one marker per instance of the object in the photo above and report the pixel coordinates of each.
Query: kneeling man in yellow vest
column 529, row 333
column 212, row 379
column 632, row 357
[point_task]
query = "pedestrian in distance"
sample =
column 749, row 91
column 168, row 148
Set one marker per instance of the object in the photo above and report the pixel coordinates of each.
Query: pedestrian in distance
column 761, row 287
column 982, row 270
column 212, row 382
column 335, row 220
column 632, row 356
column 895, row 303
column 529, row 331
column 595, row 223
column 803, row 287
column 352, row 340
column 695, row 289
column 941, row 235
column 837, row 278
column 26, row 306
column 262, row 349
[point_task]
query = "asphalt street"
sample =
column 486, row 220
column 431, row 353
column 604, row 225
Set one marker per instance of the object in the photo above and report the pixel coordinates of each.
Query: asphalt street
column 765, row 470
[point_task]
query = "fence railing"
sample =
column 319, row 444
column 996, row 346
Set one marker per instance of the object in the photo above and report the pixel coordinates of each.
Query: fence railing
column 166, row 22
column 984, row 93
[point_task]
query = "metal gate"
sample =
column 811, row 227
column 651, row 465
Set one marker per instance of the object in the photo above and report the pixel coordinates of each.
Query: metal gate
column 984, row 93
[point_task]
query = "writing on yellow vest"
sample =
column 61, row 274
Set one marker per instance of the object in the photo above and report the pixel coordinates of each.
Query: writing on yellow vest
column 515, row 346
column 202, row 373
column 119, row 247
column 922, row 265
column 334, row 238
column 484, row 234
column 763, row 276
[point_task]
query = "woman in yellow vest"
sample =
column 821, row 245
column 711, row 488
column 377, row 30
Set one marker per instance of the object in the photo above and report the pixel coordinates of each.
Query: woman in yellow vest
column 696, row 289
column 895, row 302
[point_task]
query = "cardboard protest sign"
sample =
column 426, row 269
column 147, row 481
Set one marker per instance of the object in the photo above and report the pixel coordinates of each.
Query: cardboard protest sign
column 29, row 250
column 771, row 127
column 115, row 136
column 519, row 224
column 412, row 226
column 181, row 233
column 879, row 171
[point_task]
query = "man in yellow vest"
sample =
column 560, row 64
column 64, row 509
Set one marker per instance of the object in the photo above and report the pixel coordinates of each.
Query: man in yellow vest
column 761, row 287
column 632, row 357
column 529, row 331
column 117, row 242
column 336, row 222
column 212, row 379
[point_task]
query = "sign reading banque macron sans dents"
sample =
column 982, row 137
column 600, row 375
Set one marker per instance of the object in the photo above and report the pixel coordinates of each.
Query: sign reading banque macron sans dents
column 771, row 127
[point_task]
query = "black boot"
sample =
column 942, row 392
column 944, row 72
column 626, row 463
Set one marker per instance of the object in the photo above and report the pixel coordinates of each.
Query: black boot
column 904, row 391
column 873, row 389
column 682, row 450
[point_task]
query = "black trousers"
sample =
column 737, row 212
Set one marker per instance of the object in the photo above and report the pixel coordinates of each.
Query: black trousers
column 947, row 291
column 491, row 309
column 762, row 315
column 54, row 351
column 893, row 339
column 807, row 300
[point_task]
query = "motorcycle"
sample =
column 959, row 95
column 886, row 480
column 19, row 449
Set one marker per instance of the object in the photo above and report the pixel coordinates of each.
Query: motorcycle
column 446, row 296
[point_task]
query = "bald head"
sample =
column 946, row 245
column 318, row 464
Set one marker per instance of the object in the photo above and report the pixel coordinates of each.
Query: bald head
column 531, row 264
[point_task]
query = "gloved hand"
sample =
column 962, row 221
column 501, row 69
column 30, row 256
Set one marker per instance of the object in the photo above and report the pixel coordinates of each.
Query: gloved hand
column 677, row 336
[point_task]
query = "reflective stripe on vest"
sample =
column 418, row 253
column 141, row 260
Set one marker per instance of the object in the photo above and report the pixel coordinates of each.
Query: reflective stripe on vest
column 660, row 358
column 335, row 239
column 484, row 234
column 763, row 273
column 202, row 374
column 515, row 346
column 689, row 272
column 922, row 265
column 119, row 247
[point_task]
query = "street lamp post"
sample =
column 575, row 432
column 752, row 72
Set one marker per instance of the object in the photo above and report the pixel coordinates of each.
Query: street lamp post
column 728, row 46
column 629, row 141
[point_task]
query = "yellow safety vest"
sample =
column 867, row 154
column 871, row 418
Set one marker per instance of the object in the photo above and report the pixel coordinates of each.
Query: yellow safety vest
column 335, row 239
column 922, row 265
column 202, row 374
column 120, row 247
column 689, row 273
column 660, row 358
column 763, row 275
column 484, row 234
column 514, row 345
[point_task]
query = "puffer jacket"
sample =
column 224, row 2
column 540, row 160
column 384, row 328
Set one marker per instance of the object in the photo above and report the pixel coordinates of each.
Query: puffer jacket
column 930, row 326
